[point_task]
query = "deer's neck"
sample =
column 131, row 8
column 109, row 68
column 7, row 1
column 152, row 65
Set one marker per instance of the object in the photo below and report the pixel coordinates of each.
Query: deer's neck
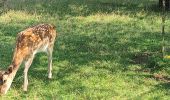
column 18, row 58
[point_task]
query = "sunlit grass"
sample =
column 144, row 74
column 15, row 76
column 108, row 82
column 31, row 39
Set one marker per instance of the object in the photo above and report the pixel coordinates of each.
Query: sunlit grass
column 17, row 17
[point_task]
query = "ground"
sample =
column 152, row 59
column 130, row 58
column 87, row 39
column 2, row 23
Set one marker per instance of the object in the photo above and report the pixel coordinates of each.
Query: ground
column 106, row 49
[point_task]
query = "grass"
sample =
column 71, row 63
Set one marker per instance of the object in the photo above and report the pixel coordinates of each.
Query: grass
column 106, row 49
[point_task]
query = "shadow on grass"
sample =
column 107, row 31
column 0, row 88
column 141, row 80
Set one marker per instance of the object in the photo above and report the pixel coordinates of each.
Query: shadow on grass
column 81, row 50
column 5, row 54
column 101, row 45
column 162, row 87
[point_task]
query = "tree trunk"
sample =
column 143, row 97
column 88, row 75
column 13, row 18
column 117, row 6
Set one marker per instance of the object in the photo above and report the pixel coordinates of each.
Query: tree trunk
column 167, row 4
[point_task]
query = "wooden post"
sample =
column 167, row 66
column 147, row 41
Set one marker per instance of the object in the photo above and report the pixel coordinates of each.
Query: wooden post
column 163, row 28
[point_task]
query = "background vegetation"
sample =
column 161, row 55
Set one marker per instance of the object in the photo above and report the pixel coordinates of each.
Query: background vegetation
column 106, row 49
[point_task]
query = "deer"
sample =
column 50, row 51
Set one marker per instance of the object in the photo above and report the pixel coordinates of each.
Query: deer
column 38, row 38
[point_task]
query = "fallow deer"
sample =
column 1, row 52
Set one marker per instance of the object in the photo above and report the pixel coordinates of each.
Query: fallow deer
column 39, row 38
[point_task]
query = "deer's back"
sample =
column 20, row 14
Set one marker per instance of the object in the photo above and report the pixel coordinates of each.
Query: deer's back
column 35, row 38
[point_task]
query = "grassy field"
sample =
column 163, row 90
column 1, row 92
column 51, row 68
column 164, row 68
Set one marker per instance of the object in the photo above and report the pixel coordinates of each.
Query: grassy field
column 105, row 50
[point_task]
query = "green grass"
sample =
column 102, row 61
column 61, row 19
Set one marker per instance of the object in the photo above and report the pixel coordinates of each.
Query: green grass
column 106, row 49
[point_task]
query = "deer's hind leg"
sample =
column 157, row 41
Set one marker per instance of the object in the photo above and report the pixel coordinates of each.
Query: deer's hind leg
column 28, row 63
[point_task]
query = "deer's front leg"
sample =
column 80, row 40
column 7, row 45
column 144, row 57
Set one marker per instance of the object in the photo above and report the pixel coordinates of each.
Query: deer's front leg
column 49, row 53
column 27, row 66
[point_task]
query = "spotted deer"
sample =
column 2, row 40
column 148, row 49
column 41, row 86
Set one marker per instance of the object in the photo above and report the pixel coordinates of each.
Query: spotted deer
column 39, row 38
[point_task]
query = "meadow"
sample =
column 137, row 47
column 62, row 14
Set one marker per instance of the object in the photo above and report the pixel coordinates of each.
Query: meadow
column 105, row 50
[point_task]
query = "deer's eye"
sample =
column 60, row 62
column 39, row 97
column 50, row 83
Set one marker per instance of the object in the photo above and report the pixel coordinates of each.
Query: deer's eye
column 4, row 81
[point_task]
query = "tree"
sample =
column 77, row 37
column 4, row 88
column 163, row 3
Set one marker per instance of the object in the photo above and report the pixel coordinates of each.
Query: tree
column 167, row 4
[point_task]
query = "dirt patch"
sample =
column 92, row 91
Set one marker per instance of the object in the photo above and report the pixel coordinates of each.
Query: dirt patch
column 149, row 62
column 141, row 58
column 161, row 77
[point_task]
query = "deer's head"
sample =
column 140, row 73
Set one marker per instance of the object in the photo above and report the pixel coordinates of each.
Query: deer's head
column 5, row 82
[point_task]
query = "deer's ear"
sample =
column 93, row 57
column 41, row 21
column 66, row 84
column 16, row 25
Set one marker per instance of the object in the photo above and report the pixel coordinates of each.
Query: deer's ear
column 1, row 77
column 1, row 81
column 1, row 72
